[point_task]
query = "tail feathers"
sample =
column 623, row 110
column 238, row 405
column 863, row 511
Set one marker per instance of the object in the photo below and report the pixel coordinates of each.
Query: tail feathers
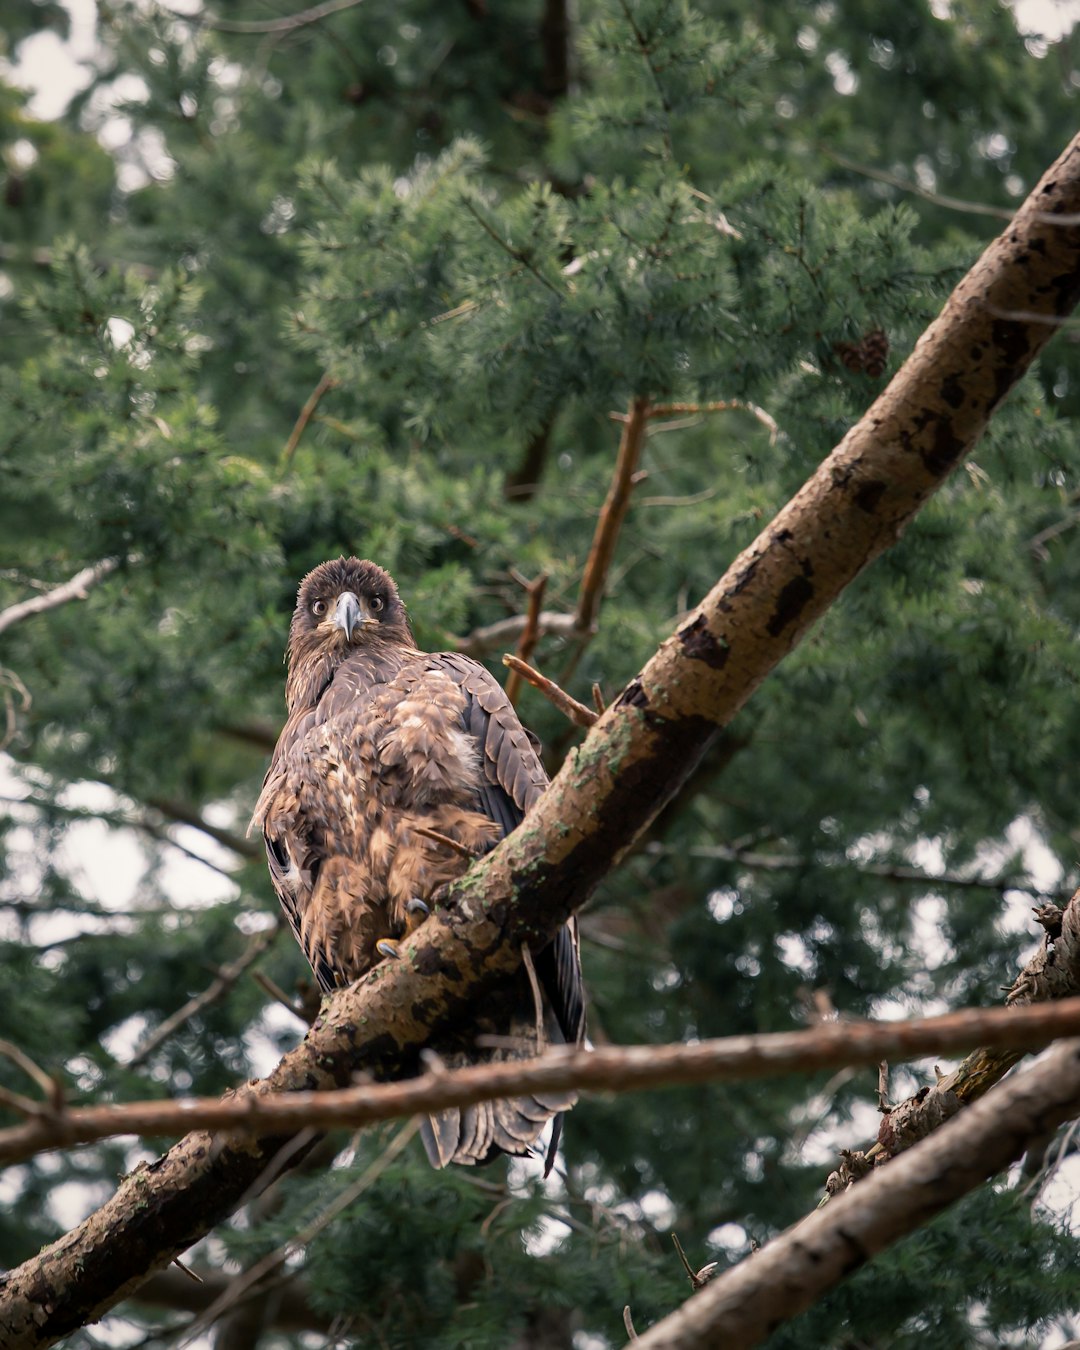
column 479, row 1133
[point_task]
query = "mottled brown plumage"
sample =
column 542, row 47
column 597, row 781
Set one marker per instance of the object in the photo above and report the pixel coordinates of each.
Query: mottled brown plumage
column 381, row 739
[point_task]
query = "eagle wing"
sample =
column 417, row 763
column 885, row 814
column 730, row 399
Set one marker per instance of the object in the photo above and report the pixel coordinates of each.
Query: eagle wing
column 512, row 780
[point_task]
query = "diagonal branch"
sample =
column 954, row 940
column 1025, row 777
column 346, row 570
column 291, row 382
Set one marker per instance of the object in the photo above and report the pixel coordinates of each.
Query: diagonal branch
column 223, row 981
column 76, row 588
column 627, row 1068
column 743, row 1306
column 630, row 765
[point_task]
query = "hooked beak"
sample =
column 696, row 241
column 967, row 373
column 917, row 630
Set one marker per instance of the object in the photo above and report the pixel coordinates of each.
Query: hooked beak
column 350, row 613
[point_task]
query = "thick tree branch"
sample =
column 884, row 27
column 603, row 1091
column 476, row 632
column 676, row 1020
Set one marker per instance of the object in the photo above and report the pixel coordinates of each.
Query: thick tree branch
column 744, row 1305
column 607, row 1069
column 77, row 588
column 632, row 762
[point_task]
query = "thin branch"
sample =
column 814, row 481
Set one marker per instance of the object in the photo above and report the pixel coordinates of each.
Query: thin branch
column 290, row 1309
column 51, row 1088
column 530, row 634
column 608, row 1069
column 226, row 977
column 934, row 198
column 302, row 1239
column 455, row 845
column 77, row 588
column 496, row 636
column 269, row 986
column 612, row 515
column 743, row 1306
column 187, row 815
column 577, row 712
column 628, row 1323
column 307, row 412
column 793, row 862
column 519, row 255
column 286, row 25
column 724, row 405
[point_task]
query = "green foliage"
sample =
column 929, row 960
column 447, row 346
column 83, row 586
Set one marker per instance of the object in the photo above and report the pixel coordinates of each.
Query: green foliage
column 376, row 284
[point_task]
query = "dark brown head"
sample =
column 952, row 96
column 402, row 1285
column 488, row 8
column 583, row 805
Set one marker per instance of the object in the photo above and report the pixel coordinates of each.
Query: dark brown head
column 342, row 606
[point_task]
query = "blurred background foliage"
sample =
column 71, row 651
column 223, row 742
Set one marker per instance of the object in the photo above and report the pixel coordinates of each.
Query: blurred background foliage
column 274, row 288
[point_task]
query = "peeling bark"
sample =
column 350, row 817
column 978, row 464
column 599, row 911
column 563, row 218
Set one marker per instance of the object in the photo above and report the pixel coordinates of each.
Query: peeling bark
column 633, row 761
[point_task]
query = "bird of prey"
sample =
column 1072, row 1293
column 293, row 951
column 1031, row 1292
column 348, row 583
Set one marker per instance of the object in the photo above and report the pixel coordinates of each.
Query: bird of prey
column 384, row 743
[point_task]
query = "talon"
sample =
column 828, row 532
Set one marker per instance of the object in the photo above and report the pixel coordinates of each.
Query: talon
column 415, row 914
column 388, row 947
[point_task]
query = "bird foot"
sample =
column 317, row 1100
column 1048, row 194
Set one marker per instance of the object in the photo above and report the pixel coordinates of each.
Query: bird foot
column 415, row 914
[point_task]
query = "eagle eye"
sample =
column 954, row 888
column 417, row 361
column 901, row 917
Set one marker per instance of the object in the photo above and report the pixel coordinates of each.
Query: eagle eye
column 377, row 602
column 318, row 608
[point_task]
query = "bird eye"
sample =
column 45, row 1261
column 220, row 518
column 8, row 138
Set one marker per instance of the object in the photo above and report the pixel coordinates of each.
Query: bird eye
column 318, row 608
column 377, row 602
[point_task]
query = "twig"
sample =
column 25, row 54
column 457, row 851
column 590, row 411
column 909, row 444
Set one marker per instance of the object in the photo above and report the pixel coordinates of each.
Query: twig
column 306, row 413
column 538, row 1001
column 697, row 1278
column 286, row 25
column 77, row 588
column 223, row 982
column 455, row 844
column 612, row 515
column 934, row 198
column 598, row 699
column 51, row 1087
column 187, row 815
column 529, row 634
column 519, row 255
column 786, row 862
column 494, row 636
column 628, row 1323
column 577, row 712
column 276, row 992
column 724, row 405
column 307, row 1234
column 608, row 1069
column 13, row 687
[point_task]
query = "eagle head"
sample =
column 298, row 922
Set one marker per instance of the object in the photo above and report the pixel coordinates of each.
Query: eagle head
column 342, row 605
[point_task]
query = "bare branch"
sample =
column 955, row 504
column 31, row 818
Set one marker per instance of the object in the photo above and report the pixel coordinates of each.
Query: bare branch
column 934, row 198
column 612, row 515
column 577, row 712
column 286, row 25
column 743, row 1306
column 306, row 413
column 253, row 1276
column 77, row 588
column 794, row 862
column 223, row 982
column 187, row 815
column 495, row 636
column 530, row 634
column 608, row 1069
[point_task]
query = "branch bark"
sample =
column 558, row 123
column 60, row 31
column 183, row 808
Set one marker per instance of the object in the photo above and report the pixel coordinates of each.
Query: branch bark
column 629, row 1068
column 76, row 588
column 743, row 1306
column 632, row 762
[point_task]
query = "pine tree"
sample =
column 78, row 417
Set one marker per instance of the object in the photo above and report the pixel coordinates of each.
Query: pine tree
column 376, row 283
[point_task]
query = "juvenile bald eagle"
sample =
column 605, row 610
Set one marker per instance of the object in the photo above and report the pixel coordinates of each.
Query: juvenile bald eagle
column 382, row 738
